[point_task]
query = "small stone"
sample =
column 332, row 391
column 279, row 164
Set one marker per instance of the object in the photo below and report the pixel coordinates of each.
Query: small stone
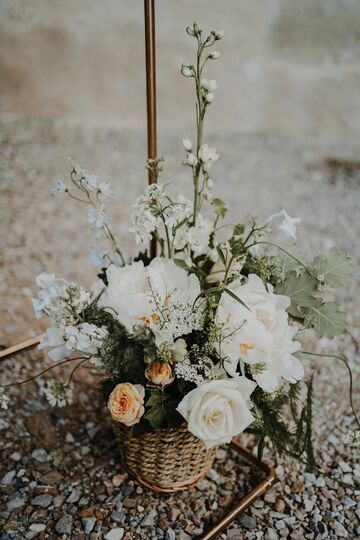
column 52, row 477
column 118, row 517
column 149, row 520
column 345, row 467
column 40, row 455
column 170, row 535
column 248, row 522
column 16, row 502
column 114, row 534
column 280, row 524
column 88, row 524
column 42, row 500
column 309, row 505
column 280, row 505
column 74, row 496
column 37, row 527
column 64, row 525
column 118, row 479
column 340, row 530
column 284, row 533
column 183, row 536
column 16, row 456
column 69, row 438
column 271, row 535
column 129, row 503
column 8, row 478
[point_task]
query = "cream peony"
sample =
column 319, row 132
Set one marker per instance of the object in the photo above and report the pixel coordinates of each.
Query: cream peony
column 261, row 337
column 217, row 410
column 160, row 297
column 126, row 403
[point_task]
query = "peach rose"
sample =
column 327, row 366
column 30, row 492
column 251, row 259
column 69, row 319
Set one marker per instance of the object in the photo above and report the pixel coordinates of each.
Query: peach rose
column 126, row 403
column 159, row 373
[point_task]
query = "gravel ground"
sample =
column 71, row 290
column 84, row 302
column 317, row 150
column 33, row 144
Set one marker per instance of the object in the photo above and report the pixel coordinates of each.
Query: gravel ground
column 59, row 471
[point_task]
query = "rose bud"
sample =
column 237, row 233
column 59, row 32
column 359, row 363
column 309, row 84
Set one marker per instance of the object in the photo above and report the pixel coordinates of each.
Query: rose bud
column 126, row 403
column 159, row 373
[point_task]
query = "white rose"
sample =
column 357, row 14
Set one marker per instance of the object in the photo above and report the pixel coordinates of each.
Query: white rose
column 217, row 410
column 259, row 336
column 199, row 235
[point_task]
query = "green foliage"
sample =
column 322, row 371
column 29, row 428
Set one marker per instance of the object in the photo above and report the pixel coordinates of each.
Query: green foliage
column 333, row 269
column 122, row 356
column 270, row 413
column 304, row 290
column 326, row 319
column 300, row 289
column 220, row 207
column 161, row 410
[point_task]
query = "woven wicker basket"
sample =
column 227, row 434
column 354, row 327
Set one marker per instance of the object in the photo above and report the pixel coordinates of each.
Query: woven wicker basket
column 163, row 460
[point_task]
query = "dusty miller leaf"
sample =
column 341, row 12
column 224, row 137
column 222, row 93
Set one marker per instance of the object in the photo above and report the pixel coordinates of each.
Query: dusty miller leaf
column 300, row 289
column 334, row 268
column 326, row 319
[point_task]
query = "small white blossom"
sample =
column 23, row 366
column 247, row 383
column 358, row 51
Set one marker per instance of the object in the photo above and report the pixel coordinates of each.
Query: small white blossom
column 187, row 144
column 189, row 373
column 209, row 98
column 214, row 55
column 86, row 338
column 177, row 211
column 209, row 183
column 208, row 85
column 59, row 187
column 58, row 393
column 4, row 400
column 97, row 256
column 284, row 224
column 219, row 34
column 207, row 156
column 191, row 159
column 199, row 235
column 98, row 218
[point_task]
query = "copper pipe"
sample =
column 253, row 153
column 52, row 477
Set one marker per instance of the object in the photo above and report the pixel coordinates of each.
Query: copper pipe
column 150, row 92
column 28, row 344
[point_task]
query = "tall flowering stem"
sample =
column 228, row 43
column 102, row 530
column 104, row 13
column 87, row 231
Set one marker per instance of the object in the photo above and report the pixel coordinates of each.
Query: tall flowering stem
column 204, row 96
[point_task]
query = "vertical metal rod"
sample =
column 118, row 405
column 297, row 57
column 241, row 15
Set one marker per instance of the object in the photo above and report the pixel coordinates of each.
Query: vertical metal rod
column 150, row 92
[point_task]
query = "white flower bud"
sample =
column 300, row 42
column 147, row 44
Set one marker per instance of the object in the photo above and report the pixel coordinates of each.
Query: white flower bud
column 186, row 71
column 214, row 55
column 209, row 97
column 191, row 159
column 209, row 183
column 219, row 34
column 196, row 29
column 187, row 145
column 189, row 31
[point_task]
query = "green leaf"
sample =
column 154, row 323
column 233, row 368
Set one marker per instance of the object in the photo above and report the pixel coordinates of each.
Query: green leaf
column 239, row 229
column 220, row 207
column 181, row 263
column 221, row 255
column 334, row 268
column 235, row 297
column 288, row 262
column 326, row 319
column 156, row 416
column 155, row 398
column 300, row 289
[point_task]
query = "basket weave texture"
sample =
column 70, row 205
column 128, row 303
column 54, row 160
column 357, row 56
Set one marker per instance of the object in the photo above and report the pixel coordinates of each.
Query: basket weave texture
column 164, row 460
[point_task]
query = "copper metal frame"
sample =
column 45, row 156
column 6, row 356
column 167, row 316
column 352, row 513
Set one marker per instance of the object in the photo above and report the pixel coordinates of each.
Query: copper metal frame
column 240, row 507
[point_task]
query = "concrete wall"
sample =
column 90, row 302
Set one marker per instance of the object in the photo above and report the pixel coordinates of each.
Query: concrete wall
column 288, row 66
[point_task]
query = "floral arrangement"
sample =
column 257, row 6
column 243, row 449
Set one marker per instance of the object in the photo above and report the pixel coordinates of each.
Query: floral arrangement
column 207, row 332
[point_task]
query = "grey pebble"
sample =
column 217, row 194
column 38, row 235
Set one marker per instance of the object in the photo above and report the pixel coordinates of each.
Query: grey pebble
column 118, row 517
column 88, row 524
column 43, row 500
column 170, row 535
column 149, row 520
column 8, row 478
column 114, row 534
column 74, row 496
column 271, row 534
column 16, row 502
column 248, row 522
column 64, row 525
column 40, row 455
